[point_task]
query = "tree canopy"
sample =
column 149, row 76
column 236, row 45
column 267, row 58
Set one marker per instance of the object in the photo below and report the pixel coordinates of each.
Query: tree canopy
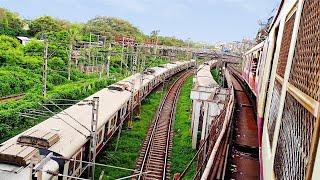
column 110, row 27
column 10, row 23
column 44, row 24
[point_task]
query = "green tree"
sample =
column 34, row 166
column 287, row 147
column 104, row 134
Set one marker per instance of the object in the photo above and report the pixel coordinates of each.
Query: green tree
column 110, row 27
column 10, row 23
column 44, row 24
column 10, row 51
column 34, row 48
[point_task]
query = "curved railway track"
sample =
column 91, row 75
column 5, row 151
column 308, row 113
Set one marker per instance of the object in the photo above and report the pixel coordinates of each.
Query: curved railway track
column 156, row 149
column 243, row 158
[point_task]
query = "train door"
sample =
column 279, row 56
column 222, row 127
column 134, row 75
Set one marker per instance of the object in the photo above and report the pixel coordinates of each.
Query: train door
column 253, row 72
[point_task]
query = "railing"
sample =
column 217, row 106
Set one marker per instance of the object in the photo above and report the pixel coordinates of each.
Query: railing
column 220, row 143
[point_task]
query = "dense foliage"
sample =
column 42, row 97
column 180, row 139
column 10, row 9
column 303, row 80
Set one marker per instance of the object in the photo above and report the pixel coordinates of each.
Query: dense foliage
column 217, row 75
column 10, row 23
column 110, row 27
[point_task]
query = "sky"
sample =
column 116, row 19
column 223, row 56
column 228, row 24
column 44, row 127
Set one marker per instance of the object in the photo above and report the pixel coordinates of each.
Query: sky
column 200, row 20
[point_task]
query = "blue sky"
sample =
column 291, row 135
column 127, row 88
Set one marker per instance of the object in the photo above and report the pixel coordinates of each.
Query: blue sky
column 201, row 20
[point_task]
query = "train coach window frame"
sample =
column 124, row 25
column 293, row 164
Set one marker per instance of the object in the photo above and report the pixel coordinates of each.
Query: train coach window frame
column 100, row 139
column 71, row 168
column 78, row 157
column 112, row 123
column 267, row 102
column 123, row 110
column 136, row 97
column 254, row 66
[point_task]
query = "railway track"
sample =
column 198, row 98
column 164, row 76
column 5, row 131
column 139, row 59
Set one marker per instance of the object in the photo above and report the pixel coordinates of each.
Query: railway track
column 12, row 97
column 243, row 158
column 156, row 149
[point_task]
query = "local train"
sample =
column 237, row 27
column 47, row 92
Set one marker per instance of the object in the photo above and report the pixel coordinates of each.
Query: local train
column 284, row 73
column 67, row 134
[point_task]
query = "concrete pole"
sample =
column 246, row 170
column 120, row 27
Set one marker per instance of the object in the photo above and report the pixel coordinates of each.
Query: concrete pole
column 108, row 60
column 69, row 62
column 45, row 69
column 122, row 53
column 93, row 134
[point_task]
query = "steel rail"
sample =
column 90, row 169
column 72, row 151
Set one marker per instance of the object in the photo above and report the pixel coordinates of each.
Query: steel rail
column 177, row 83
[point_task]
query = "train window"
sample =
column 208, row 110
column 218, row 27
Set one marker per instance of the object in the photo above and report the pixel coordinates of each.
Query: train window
column 136, row 97
column 123, row 112
column 70, row 169
column 99, row 136
column 128, row 105
column 78, row 158
column 106, row 127
column 254, row 66
column 112, row 123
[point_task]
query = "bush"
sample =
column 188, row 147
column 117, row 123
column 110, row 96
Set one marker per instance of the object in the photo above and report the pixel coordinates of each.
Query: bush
column 34, row 48
column 7, row 43
column 56, row 63
column 32, row 62
column 10, row 57
column 15, row 80
column 56, row 78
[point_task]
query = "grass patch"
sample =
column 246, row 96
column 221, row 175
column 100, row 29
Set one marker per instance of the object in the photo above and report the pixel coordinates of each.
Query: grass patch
column 216, row 75
column 130, row 142
column 182, row 151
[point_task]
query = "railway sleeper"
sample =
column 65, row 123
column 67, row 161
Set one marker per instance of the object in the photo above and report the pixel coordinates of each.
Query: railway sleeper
column 152, row 176
column 156, row 165
column 156, row 160
column 155, row 169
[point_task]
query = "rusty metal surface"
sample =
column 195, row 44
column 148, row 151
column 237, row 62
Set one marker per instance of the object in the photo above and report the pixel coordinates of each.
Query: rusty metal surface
column 246, row 131
column 157, row 146
column 243, row 161
column 244, row 166
column 274, row 109
column 305, row 71
column 294, row 142
column 285, row 45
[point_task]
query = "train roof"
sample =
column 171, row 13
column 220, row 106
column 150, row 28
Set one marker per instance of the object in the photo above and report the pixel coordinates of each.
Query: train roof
column 66, row 132
column 204, row 77
column 137, row 81
column 74, row 123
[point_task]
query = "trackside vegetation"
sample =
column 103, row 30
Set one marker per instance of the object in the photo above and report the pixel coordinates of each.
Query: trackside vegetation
column 216, row 75
column 130, row 142
column 182, row 151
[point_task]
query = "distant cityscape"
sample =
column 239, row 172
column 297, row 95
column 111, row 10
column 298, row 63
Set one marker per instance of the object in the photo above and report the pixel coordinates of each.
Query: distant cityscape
column 236, row 47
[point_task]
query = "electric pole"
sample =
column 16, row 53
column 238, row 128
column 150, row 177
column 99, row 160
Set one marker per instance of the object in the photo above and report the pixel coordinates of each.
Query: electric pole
column 45, row 69
column 93, row 141
column 69, row 62
column 122, row 50
column 188, row 50
column 108, row 60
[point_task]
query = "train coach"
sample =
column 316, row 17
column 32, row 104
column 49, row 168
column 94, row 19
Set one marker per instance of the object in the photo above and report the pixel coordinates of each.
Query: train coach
column 67, row 134
column 284, row 71
column 252, row 65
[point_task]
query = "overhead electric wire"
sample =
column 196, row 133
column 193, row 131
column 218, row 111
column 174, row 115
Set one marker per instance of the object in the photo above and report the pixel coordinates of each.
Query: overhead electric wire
column 64, row 120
